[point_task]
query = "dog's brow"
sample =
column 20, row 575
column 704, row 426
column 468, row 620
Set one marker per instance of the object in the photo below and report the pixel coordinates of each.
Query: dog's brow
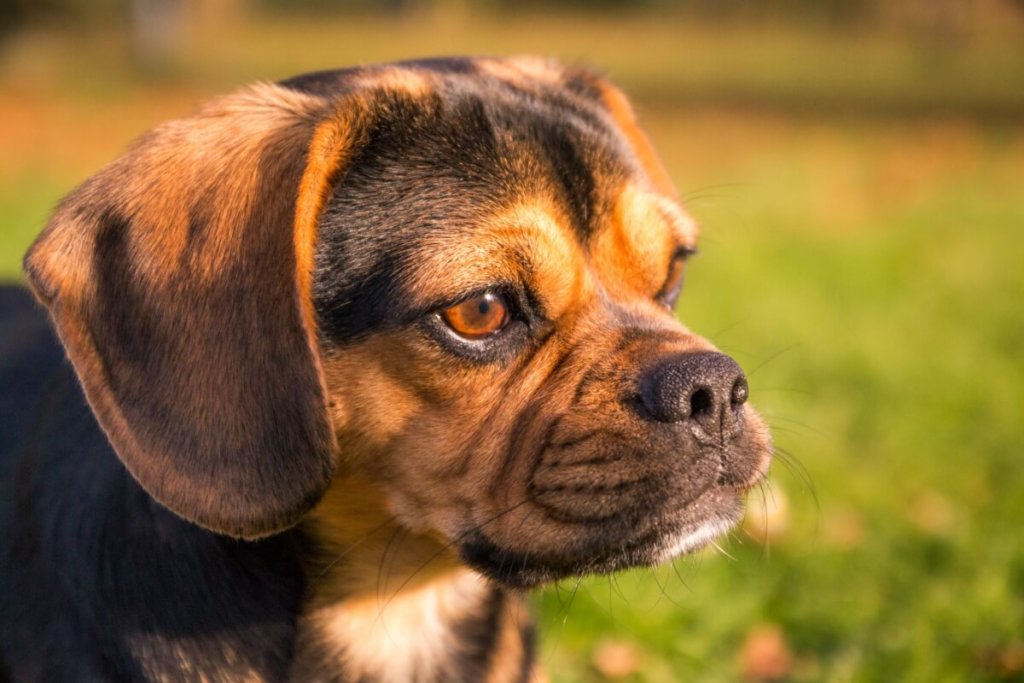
column 529, row 243
column 410, row 81
column 633, row 251
column 683, row 226
column 522, row 70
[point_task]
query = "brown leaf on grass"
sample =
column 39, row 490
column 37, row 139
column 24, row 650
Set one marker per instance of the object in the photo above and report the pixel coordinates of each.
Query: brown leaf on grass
column 615, row 659
column 932, row 513
column 765, row 655
column 1011, row 660
column 1002, row 663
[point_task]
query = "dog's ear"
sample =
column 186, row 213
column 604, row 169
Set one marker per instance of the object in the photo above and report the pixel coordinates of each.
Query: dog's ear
column 179, row 279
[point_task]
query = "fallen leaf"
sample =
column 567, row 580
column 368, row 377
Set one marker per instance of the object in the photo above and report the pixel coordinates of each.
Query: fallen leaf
column 765, row 655
column 615, row 659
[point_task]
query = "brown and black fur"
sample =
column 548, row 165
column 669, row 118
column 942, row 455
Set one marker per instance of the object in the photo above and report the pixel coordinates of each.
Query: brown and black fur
column 270, row 459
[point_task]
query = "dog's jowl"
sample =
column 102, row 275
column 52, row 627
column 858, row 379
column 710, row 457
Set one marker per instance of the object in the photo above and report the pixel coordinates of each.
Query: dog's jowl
column 335, row 366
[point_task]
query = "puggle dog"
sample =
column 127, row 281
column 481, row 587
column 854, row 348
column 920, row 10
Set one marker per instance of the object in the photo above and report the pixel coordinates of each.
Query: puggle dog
column 354, row 358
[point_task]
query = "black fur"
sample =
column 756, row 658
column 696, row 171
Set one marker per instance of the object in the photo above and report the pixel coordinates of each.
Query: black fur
column 477, row 634
column 99, row 581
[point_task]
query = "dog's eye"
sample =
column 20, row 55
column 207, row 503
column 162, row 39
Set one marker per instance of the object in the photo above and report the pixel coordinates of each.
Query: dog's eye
column 669, row 293
column 478, row 317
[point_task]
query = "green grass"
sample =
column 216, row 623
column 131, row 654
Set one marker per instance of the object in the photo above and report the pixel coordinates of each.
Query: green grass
column 865, row 270
column 24, row 206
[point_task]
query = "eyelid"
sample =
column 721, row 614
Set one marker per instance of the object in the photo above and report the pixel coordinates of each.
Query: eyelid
column 685, row 251
column 670, row 290
column 522, row 304
column 505, row 289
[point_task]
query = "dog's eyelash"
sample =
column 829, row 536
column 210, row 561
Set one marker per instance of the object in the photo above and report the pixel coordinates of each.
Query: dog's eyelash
column 669, row 293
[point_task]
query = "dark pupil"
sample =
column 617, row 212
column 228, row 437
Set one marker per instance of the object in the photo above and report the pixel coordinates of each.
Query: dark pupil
column 484, row 307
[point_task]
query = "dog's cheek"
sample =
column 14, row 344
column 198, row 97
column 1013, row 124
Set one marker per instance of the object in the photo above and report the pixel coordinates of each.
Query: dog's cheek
column 413, row 419
column 370, row 403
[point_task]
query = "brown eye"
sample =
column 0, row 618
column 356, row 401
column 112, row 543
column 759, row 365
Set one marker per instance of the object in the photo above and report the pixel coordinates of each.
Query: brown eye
column 478, row 317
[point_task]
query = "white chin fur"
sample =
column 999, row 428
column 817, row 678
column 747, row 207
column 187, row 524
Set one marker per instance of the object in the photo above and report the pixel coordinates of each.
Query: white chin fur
column 689, row 541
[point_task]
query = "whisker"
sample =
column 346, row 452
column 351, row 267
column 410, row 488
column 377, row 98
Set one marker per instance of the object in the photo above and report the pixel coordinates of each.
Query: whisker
column 683, row 580
column 575, row 589
column 721, row 550
column 355, row 544
column 613, row 579
column 663, row 588
column 797, row 469
column 775, row 356
column 774, row 418
column 385, row 566
column 705, row 192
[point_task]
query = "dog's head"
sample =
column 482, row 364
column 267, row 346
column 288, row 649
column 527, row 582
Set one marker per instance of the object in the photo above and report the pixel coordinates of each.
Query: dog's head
column 453, row 278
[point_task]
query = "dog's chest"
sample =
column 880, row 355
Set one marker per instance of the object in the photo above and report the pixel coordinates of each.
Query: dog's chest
column 455, row 630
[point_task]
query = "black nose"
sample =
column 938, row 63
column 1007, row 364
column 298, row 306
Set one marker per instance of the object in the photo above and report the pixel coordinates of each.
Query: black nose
column 706, row 388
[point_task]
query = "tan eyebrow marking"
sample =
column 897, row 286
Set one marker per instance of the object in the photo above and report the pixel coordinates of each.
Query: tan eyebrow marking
column 528, row 242
column 400, row 79
column 633, row 252
column 682, row 224
column 521, row 69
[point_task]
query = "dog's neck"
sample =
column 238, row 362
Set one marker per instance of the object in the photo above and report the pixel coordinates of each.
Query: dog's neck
column 386, row 604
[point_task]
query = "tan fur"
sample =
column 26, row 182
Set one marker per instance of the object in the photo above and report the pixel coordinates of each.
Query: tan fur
column 412, row 83
column 523, row 70
column 508, row 656
column 328, row 154
column 412, row 621
column 634, row 251
column 410, row 403
column 529, row 237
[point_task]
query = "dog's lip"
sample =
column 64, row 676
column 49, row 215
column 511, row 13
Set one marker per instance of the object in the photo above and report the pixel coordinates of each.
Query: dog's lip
column 667, row 539
column 760, row 471
column 694, row 539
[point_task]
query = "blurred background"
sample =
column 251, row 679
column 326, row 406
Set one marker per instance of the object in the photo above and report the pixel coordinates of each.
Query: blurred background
column 858, row 169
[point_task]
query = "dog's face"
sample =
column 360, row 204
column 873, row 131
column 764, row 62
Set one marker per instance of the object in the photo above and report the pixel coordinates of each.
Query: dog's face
column 486, row 259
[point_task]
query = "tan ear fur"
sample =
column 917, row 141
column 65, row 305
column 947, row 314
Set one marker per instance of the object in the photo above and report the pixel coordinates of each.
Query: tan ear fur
column 178, row 278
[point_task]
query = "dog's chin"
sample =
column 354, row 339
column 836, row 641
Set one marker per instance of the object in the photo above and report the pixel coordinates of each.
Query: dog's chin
column 669, row 538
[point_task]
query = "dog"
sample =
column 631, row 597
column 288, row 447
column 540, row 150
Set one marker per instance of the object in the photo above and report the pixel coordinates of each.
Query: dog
column 355, row 358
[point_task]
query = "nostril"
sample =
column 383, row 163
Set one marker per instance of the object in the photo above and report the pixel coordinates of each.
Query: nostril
column 701, row 402
column 740, row 392
column 697, row 386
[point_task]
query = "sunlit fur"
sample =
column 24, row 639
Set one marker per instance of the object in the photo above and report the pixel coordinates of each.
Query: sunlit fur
column 250, row 298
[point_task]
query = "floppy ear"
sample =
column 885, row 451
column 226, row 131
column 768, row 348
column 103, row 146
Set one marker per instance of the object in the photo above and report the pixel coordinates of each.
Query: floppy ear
column 179, row 281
